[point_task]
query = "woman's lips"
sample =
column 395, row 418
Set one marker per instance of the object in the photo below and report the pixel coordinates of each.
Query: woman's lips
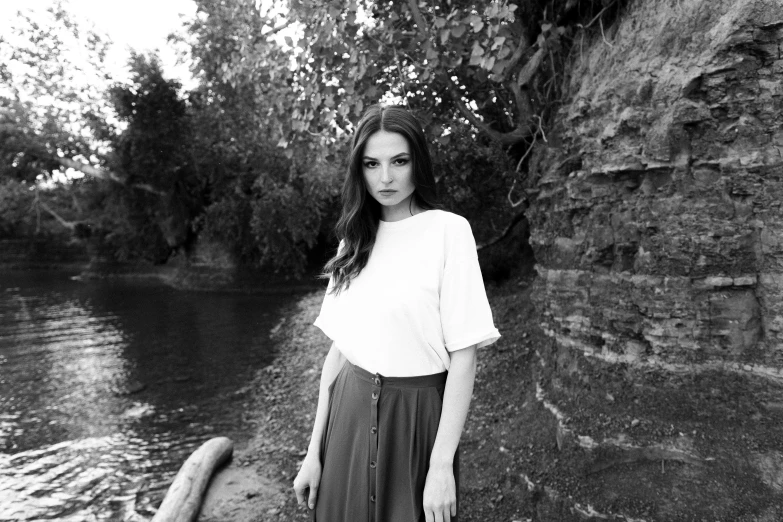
column 387, row 192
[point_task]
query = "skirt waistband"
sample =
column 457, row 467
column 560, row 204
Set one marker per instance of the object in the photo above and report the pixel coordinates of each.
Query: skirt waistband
column 417, row 381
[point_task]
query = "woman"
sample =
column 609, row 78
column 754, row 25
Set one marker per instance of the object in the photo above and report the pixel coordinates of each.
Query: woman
column 406, row 309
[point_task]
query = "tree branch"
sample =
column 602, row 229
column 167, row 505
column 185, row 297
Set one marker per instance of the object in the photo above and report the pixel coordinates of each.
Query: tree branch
column 418, row 18
column 522, row 102
column 514, row 60
column 88, row 169
column 526, row 73
column 278, row 28
column 506, row 231
column 105, row 175
column 38, row 205
column 506, row 139
column 598, row 16
column 146, row 187
column 67, row 224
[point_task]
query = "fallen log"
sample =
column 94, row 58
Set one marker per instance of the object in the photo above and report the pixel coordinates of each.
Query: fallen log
column 183, row 499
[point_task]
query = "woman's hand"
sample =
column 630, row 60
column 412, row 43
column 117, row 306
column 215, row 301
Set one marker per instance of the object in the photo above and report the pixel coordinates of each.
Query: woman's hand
column 309, row 476
column 440, row 494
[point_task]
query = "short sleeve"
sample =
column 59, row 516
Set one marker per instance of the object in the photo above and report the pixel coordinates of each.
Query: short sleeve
column 326, row 319
column 466, row 317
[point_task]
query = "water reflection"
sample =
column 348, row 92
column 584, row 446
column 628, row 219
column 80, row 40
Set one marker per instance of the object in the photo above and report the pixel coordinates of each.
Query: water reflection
column 105, row 388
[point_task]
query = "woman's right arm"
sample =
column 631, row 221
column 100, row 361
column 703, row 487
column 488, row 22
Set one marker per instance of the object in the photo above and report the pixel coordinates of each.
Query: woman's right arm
column 309, row 475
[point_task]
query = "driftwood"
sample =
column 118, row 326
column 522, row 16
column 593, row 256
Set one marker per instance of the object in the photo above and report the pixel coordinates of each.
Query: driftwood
column 183, row 499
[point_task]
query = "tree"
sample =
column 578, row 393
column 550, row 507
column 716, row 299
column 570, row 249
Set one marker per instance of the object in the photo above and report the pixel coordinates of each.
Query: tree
column 54, row 116
column 154, row 151
column 268, row 204
column 50, row 76
column 459, row 66
column 177, row 167
column 495, row 65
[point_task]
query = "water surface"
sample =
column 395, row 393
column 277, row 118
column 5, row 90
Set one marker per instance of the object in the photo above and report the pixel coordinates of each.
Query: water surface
column 106, row 387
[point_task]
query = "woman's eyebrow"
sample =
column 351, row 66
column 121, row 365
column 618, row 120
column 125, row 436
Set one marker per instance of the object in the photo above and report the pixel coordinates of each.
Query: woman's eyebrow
column 393, row 157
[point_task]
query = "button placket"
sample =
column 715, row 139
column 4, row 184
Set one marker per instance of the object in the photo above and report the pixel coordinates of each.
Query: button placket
column 377, row 383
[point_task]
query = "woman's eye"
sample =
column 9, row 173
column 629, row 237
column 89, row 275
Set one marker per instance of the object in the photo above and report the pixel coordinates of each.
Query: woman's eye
column 370, row 164
column 401, row 161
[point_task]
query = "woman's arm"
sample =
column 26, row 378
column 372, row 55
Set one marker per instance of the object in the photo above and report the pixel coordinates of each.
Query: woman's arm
column 440, row 492
column 332, row 365
column 309, row 475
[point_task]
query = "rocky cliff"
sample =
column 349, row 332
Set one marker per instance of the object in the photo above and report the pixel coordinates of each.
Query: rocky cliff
column 656, row 222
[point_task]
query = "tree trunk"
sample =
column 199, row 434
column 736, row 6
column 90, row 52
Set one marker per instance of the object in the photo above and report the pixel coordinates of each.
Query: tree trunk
column 657, row 224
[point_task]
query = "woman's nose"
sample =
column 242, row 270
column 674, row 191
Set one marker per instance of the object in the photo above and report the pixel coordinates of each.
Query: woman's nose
column 385, row 174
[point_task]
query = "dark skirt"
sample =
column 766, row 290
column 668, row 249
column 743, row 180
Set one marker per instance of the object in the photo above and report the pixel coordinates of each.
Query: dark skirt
column 376, row 448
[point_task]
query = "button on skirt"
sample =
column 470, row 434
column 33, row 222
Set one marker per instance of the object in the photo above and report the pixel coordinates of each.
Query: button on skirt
column 376, row 448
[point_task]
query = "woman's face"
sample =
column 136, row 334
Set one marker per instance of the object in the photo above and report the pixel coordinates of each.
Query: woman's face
column 387, row 166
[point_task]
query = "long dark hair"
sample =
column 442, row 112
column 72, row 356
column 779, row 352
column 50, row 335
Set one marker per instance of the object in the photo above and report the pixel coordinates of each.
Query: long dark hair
column 358, row 223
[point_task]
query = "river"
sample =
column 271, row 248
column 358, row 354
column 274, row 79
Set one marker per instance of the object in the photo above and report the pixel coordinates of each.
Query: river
column 107, row 387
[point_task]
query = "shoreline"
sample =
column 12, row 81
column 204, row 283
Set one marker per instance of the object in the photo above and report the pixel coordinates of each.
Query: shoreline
column 255, row 485
column 188, row 279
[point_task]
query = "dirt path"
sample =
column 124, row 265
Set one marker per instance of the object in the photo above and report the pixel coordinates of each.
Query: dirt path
column 239, row 493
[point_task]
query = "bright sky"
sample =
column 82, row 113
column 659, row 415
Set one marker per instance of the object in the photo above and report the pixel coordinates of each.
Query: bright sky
column 140, row 24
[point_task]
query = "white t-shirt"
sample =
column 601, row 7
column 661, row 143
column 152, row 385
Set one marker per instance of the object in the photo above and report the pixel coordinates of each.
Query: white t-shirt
column 420, row 297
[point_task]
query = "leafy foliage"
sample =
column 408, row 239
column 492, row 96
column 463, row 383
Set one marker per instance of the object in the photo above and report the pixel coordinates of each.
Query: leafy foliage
column 51, row 70
column 498, row 66
column 16, row 199
column 252, row 158
column 473, row 72
column 155, row 150
column 452, row 61
column 51, row 107
column 268, row 204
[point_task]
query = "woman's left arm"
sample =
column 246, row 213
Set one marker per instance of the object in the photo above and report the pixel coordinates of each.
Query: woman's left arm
column 440, row 492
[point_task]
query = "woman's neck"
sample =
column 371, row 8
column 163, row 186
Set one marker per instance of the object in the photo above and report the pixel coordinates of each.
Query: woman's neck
column 402, row 210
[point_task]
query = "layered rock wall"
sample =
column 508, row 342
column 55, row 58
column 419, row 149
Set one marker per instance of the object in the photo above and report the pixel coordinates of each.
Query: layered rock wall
column 657, row 224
